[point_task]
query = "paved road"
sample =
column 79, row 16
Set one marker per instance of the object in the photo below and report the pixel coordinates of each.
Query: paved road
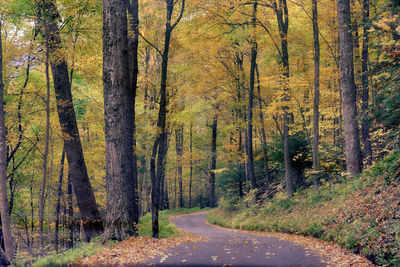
column 228, row 248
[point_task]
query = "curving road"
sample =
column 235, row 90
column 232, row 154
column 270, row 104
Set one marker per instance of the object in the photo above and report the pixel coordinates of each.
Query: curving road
column 229, row 248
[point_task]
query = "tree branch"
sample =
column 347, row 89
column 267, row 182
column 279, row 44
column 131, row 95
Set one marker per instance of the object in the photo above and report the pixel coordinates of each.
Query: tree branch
column 180, row 15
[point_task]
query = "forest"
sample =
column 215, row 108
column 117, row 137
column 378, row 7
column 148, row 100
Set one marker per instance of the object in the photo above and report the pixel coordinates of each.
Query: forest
column 277, row 115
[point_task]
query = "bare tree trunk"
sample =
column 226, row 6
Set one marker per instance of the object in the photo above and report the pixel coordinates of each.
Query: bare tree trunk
column 73, row 148
column 179, row 151
column 365, row 86
column 59, row 195
column 316, row 88
column 250, row 157
column 282, row 16
column 133, row 45
column 159, row 142
column 191, row 164
column 214, row 128
column 121, row 184
column 352, row 138
column 47, row 138
column 5, row 217
column 267, row 177
column 71, row 220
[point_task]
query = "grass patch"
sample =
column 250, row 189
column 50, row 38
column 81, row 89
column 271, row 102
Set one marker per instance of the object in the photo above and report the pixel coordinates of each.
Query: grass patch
column 166, row 229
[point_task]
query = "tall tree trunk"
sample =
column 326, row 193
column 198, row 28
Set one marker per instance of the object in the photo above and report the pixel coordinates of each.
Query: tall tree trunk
column 47, row 137
column 5, row 217
column 267, row 177
column 59, row 195
column 282, row 16
column 352, row 138
column 159, row 142
column 133, row 45
column 250, row 157
column 73, row 148
column 191, row 164
column 365, row 86
column 121, row 184
column 214, row 128
column 315, row 152
column 179, row 152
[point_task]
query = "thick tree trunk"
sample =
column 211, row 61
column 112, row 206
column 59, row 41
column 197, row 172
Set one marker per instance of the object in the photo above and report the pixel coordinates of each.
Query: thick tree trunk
column 267, row 177
column 59, row 195
column 250, row 157
column 214, row 128
column 73, row 148
column 315, row 152
column 179, row 152
column 5, row 217
column 365, row 86
column 121, row 184
column 352, row 138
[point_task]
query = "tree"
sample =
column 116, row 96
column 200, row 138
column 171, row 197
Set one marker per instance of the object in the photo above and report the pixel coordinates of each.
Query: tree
column 250, row 157
column 352, row 139
column 214, row 128
column 179, row 152
column 5, row 217
column 161, row 136
column 118, row 110
column 316, row 86
column 89, row 212
column 365, row 85
column 282, row 16
column 47, row 138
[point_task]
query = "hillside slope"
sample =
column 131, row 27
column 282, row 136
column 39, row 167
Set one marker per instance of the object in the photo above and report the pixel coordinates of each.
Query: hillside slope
column 361, row 214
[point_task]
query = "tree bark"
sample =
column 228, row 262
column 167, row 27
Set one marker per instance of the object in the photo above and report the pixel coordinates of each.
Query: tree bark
column 213, row 161
column 250, row 157
column 179, row 152
column 191, row 164
column 121, row 184
column 47, row 137
column 133, row 45
column 160, row 140
column 73, row 148
column 315, row 152
column 282, row 16
column 267, row 177
column 5, row 217
column 365, row 86
column 59, row 195
column 352, row 139
column 71, row 220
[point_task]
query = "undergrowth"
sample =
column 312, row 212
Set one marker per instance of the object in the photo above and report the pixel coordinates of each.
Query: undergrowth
column 81, row 250
column 361, row 214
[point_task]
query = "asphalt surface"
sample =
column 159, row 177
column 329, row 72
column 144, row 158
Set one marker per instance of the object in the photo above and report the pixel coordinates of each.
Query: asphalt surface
column 229, row 248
